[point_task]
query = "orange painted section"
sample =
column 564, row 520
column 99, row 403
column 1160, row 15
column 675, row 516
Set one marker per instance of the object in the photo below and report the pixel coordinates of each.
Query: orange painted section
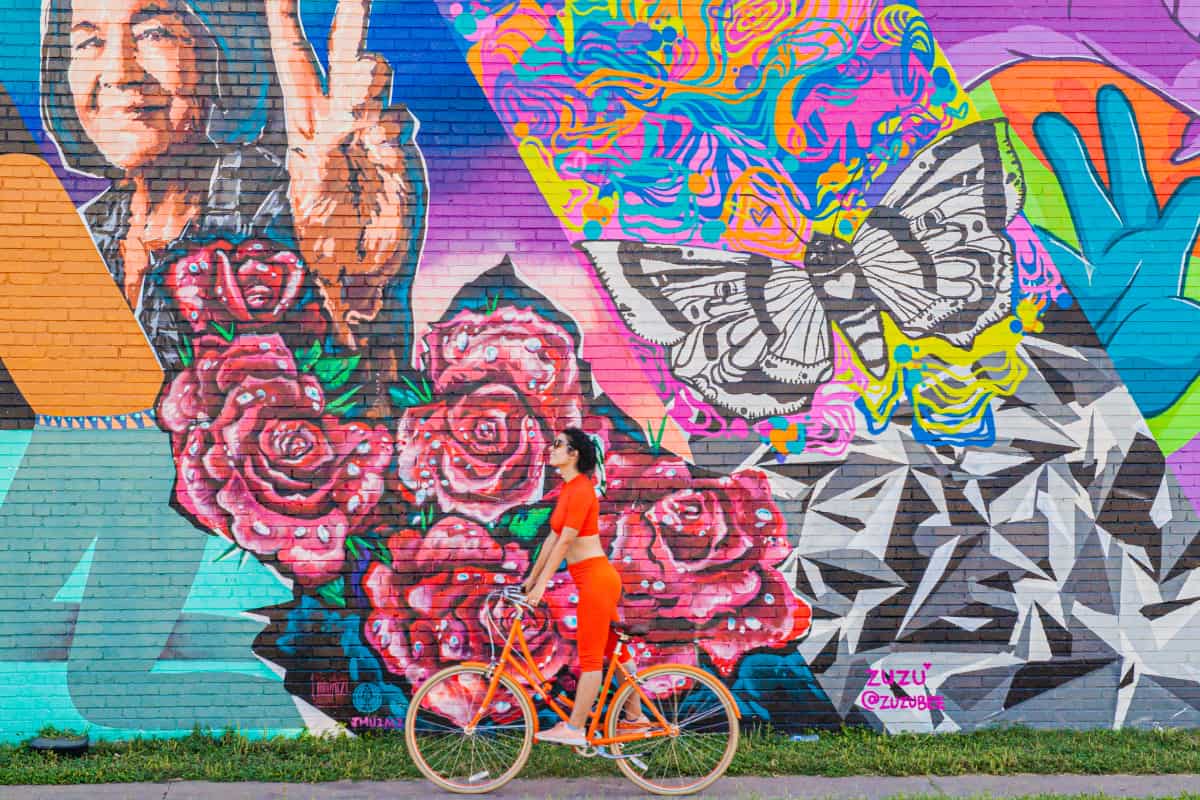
column 1069, row 88
column 67, row 336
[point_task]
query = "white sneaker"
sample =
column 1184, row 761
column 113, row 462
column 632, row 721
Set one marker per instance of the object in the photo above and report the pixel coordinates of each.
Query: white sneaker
column 562, row 733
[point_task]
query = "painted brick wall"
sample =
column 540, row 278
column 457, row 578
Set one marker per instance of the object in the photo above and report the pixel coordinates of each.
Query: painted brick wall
column 881, row 311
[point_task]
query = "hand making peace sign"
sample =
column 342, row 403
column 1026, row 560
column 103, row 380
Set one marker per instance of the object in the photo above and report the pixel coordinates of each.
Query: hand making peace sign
column 356, row 178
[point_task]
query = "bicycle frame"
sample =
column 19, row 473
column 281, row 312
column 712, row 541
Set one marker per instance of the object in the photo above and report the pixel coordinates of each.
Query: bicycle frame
column 533, row 677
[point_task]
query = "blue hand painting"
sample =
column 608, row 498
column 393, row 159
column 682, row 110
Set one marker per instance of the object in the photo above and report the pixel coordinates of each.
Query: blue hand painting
column 1130, row 274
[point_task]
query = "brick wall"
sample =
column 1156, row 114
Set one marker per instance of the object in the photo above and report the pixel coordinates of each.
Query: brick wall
column 885, row 329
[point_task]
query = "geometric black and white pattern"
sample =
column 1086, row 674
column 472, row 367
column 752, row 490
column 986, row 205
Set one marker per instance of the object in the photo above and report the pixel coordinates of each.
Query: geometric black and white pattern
column 1052, row 579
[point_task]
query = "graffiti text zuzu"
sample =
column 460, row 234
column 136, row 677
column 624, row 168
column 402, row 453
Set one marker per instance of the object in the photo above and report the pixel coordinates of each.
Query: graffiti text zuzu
column 380, row 723
column 897, row 677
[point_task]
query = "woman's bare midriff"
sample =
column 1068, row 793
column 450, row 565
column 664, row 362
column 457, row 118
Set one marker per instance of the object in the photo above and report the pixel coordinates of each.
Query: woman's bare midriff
column 583, row 548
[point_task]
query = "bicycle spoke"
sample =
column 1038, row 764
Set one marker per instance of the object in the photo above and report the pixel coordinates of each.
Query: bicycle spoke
column 447, row 728
column 437, row 745
column 705, row 733
column 701, row 752
column 457, row 760
column 512, row 727
column 712, row 712
column 452, row 755
column 491, row 747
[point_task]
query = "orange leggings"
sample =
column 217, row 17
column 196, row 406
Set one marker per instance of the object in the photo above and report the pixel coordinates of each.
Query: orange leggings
column 599, row 588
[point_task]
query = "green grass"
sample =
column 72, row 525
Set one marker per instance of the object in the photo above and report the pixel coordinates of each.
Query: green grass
column 997, row 751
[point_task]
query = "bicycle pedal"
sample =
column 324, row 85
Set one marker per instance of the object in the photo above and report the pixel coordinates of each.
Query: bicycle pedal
column 479, row 776
column 637, row 762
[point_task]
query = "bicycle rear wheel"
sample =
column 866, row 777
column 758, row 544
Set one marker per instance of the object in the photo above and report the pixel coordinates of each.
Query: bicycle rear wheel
column 469, row 761
column 698, row 707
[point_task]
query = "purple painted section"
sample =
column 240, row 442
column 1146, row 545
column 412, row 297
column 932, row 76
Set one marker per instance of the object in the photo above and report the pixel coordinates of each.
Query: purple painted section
column 1186, row 464
column 80, row 187
column 1138, row 37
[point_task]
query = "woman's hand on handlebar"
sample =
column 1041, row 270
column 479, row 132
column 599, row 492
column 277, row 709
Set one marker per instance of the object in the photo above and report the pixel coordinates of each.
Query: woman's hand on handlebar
column 534, row 597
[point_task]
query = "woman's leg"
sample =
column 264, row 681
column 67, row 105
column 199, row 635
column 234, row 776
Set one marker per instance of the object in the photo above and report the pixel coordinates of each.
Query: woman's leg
column 585, row 696
column 597, row 605
column 632, row 711
column 594, row 612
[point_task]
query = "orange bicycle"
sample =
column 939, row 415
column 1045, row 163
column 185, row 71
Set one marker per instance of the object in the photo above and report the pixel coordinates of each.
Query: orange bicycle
column 470, row 727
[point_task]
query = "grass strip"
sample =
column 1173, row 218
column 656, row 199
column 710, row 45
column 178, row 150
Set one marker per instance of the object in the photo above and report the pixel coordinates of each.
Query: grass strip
column 382, row 756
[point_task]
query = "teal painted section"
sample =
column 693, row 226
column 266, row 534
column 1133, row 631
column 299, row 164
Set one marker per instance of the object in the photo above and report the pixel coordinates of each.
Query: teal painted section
column 232, row 585
column 118, row 615
column 254, row 668
column 36, row 694
column 12, row 449
column 72, row 590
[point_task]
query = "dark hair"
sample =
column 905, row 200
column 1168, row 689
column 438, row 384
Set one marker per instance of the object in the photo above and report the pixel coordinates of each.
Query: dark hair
column 581, row 443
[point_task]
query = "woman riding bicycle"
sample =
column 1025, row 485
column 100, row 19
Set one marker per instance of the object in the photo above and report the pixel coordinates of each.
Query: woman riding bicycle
column 574, row 533
column 470, row 727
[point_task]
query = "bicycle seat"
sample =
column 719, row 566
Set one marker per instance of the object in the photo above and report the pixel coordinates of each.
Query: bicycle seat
column 630, row 628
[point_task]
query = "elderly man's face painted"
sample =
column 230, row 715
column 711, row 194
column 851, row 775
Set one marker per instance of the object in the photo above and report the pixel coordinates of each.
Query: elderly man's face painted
column 138, row 78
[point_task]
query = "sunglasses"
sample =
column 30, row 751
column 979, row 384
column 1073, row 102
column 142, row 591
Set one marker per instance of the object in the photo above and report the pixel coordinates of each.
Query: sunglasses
column 559, row 443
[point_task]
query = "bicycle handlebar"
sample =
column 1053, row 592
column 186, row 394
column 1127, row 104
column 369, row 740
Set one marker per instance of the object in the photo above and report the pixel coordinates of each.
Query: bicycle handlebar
column 509, row 594
column 512, row 594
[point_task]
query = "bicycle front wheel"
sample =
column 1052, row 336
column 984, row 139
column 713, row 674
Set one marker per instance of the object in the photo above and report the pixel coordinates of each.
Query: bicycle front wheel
column 704, row 719
column 458, row 758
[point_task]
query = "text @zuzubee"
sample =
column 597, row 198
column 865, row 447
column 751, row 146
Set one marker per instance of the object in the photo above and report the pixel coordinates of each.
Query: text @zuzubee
column 891, row 679
column 874, row 701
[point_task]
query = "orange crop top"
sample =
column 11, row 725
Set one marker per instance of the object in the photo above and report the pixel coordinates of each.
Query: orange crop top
column 577, row 507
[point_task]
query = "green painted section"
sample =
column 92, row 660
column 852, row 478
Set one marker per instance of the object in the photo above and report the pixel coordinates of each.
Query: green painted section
column 1180, row 423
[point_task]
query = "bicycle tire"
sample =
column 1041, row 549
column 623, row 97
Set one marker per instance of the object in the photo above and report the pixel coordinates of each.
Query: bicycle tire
column 690, row 689
column 439, row 708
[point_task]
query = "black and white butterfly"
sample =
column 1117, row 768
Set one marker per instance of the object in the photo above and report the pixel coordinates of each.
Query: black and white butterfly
column 752, row 334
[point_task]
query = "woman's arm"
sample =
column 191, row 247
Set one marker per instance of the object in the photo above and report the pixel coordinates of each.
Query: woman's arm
column 543, row 557
column 551, row 566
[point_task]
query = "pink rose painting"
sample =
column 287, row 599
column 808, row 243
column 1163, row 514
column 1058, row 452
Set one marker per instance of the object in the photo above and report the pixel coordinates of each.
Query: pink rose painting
column 252, row 284
column 700, row 566
column 260, row 461
column 636, row 478
column 395, row 522
column 506, row 382
column 427, row 609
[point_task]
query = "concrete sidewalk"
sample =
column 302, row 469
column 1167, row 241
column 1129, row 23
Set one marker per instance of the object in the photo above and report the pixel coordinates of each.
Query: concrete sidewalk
column 789, row 788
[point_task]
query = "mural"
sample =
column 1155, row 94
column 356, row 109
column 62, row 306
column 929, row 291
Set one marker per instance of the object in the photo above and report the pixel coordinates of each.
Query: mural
column 1134, row 92
column 884, row 332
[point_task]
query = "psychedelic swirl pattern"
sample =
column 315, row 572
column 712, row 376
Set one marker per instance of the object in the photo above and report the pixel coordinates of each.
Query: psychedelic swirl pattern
column 767, row 129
